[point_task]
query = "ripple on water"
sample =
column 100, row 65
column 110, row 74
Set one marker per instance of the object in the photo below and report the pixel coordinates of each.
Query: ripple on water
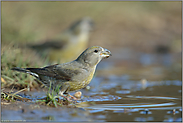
column 145, row 108
column 153, row 97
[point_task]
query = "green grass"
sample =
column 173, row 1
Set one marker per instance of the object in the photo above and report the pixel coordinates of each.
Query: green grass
column 12, row 97
column 53, row 99
column 13, row 56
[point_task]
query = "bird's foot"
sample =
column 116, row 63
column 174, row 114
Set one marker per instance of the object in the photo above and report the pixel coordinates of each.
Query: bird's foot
column 67, row 98
column 74, row 98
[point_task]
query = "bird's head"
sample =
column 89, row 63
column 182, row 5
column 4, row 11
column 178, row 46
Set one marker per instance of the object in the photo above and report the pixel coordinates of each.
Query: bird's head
column 84, row 25
column 93, row 55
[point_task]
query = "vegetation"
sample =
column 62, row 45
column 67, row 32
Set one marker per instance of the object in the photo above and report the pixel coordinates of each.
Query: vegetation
column 141, row 25
column 13, row 56
column 52, row 99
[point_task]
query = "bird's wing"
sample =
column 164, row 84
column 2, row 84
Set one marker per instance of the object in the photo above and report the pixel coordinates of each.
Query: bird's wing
column 55, row 72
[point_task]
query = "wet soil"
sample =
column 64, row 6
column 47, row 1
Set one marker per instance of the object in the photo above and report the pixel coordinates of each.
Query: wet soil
column 111, row 98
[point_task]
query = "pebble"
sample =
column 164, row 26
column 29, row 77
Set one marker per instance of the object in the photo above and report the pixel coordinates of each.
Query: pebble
column 78, row 94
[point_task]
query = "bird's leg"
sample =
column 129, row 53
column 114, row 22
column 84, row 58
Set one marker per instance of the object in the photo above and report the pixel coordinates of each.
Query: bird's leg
column 61, row 94
column 72, row 97
column 62, row 91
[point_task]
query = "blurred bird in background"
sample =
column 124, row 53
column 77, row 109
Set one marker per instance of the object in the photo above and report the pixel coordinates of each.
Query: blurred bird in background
column 66, row 46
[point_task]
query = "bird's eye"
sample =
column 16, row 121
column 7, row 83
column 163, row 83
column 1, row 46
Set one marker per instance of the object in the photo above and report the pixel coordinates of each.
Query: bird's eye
column 95, row 51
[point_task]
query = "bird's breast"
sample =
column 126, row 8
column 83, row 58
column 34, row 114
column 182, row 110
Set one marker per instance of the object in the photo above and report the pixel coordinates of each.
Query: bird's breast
column 83, row 83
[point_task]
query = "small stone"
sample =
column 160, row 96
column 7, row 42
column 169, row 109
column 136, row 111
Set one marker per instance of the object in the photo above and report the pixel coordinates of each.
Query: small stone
column 88, row 87
column 78, row 94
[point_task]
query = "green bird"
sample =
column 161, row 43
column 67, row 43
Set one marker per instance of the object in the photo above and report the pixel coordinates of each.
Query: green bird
column 67, row 45
column 70, row 76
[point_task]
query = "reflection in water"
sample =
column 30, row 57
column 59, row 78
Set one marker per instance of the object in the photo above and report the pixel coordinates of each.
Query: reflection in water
column 173, row 112
column 114, row 98
column 138, row 99
column 131, row 107
column 148, row 97
column 146, row 111
column 142, row 119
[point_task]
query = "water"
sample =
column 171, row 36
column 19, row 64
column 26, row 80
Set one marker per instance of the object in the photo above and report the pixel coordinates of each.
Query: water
column 124, row 101
column 150, row 93
column 158, row 101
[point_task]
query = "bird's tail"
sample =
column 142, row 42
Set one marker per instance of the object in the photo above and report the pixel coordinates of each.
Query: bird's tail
column 25, row 70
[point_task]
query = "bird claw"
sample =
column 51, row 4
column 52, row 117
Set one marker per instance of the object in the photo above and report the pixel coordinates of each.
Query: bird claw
column 67, row 97
column 72, row 97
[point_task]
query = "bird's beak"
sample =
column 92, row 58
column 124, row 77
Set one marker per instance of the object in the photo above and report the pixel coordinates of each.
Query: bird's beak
column 106, row 53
